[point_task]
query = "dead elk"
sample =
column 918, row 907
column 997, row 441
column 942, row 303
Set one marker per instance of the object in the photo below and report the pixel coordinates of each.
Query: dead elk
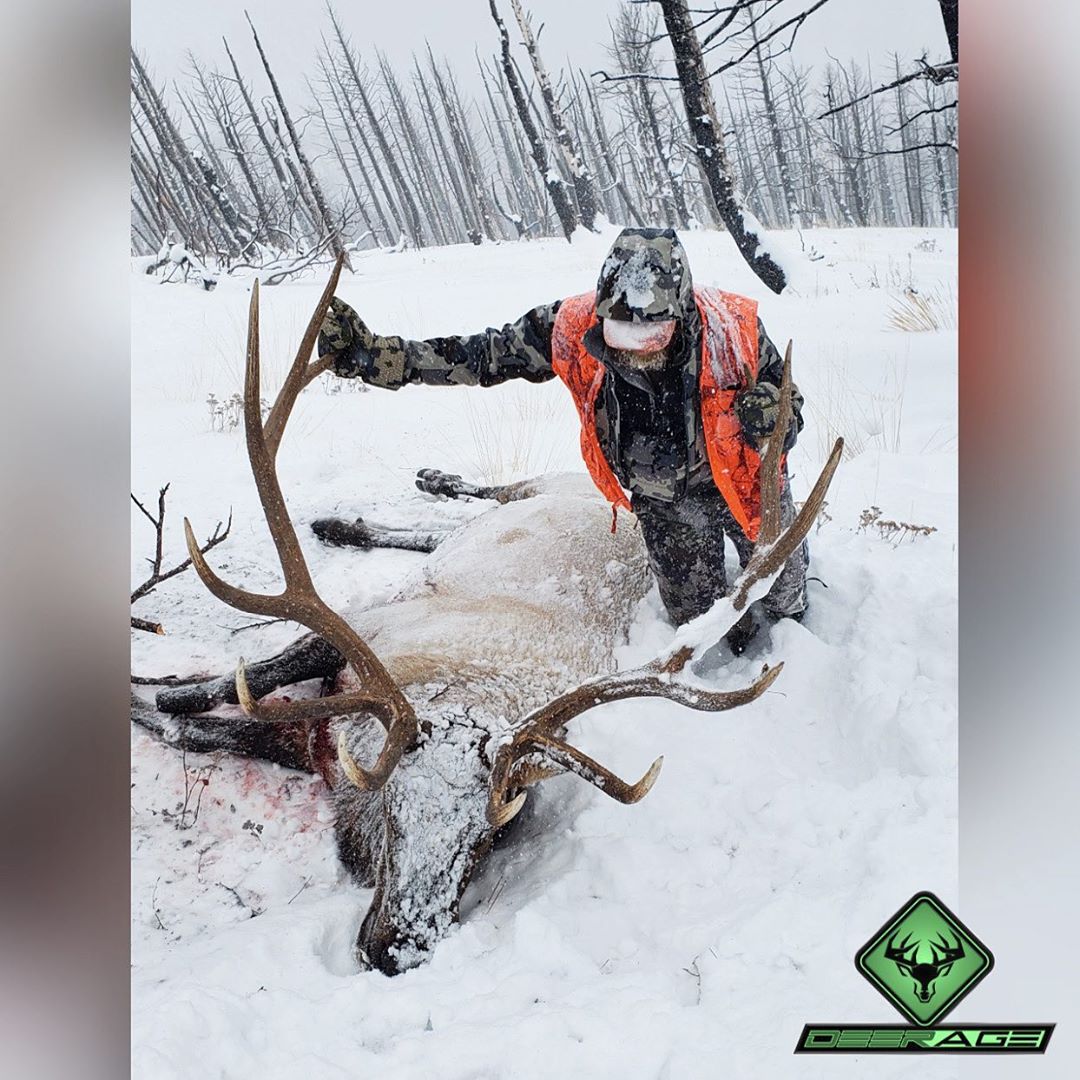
column 485, row 659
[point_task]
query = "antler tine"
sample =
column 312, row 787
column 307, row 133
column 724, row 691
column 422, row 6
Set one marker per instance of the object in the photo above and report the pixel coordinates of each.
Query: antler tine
column 298, row 583
column 241, row 599
column 569, row 759
column 653, row 680
column 774, row 547
column 301, row 373
column 536, row 736
column 770, row 461
column 299, row 600
column 400, row 735
column 770, row 559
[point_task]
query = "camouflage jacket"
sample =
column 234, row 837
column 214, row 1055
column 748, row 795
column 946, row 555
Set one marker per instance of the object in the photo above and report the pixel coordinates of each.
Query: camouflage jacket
column 650, row 431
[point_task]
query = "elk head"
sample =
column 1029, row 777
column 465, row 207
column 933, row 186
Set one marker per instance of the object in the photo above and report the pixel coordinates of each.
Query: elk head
column 450, row 771
column 924, row 972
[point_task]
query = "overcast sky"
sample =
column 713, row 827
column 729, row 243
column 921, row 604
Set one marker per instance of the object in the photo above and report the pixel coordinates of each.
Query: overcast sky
column 576, row 31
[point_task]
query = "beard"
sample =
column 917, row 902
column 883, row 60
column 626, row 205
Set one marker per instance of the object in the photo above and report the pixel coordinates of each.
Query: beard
column 641, row 361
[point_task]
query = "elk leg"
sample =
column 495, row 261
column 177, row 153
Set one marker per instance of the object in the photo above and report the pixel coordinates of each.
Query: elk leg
column 434, row 482
column 365, row 535
column 283, row 744
column 308, row 658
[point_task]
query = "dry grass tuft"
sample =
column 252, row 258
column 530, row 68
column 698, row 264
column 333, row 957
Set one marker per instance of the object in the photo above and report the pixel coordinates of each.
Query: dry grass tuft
column 916, row 312
column 867, row 418
column 516, row 433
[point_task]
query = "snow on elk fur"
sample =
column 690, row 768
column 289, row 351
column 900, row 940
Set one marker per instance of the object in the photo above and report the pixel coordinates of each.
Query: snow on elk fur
column 461, row 686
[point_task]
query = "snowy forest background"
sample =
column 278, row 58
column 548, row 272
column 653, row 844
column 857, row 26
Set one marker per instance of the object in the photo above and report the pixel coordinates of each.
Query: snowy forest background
column 230, row 174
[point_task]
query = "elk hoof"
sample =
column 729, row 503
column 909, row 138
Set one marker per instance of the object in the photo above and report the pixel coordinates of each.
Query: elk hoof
column 340, row 533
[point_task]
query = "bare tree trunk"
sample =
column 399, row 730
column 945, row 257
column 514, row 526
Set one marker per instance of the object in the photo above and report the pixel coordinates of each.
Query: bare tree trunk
column 342, row 102
column 556, row 188
column 518, row 183
column 442, row 154
column 884, row 176
column 259, row 130
column 790, row 202
column 150, row 208
column 421, row 167
column 336, row 146
column 470, row 204
column 708, row 141
column 813, row 200
column 741, row 127
column 534, row 183
column 331, row 228
column 950, row 15
column 234, row 144
column 609, row 160
column 858, row 178
column 761, row 195
column 634, row 36
column 584, row 188
column 912, row 175
column 608, row 204
column 201, row 212
column 404, row 195
column 209, row 151
column 939, row 166
column 470, row 161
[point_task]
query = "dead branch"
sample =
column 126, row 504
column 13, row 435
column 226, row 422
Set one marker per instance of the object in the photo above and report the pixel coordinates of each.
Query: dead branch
column 928, row 111
column 157, row 575
column 935, row 73
column 795, row 24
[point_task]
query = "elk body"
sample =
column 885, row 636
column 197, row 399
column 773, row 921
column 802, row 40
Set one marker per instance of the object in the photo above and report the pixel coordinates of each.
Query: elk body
column 460, row 689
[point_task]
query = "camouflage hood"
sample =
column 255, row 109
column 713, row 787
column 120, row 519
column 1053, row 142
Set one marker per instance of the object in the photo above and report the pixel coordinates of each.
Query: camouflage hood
column 645, row 277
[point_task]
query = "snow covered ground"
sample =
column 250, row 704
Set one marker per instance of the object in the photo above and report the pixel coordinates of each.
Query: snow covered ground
column 691, row 935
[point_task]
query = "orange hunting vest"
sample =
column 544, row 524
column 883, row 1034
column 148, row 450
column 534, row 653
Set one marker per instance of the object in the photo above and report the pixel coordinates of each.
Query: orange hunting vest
column 729, row 357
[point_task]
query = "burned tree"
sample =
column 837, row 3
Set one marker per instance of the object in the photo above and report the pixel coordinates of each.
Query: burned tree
column 584, row 186
column 309, row 176
column 556, row 187
column 708, row 142
column 405, row 196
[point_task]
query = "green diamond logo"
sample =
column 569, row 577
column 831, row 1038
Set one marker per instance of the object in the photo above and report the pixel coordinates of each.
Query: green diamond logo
column 924, row 959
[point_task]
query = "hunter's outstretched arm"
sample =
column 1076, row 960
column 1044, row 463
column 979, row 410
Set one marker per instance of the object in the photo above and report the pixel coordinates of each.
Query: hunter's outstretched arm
column 518, row 350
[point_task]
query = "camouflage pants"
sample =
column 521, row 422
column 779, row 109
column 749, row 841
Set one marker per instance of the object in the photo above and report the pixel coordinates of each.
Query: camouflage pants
column 685, row 542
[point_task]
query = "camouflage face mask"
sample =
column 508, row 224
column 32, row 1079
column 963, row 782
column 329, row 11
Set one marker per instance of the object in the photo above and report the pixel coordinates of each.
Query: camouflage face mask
column 645, row 278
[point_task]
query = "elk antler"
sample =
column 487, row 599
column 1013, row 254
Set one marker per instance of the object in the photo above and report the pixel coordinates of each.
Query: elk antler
column 298, row 601
column 773, row 547
column 536, row 752
column 515, row 765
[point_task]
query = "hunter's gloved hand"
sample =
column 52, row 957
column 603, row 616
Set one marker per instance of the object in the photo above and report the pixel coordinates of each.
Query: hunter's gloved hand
column 347, row 339
column 758, row 408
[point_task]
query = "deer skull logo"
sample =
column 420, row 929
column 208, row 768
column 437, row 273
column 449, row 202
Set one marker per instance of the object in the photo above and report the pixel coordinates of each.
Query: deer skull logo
column 925, row 973
column 924, row 959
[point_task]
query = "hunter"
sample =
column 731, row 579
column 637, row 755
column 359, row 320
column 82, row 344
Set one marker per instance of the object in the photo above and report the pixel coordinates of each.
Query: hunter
column 675, row 385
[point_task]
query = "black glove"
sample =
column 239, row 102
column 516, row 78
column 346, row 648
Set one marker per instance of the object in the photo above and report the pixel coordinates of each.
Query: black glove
column 758, row 408
column 348, row 341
